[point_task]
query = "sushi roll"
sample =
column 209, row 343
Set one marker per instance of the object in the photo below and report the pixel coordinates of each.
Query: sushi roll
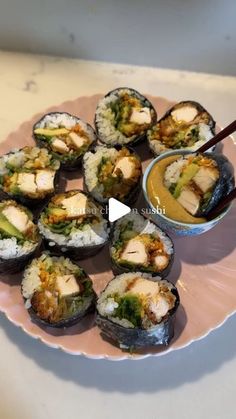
column 56, row 291
column 136, row 310
column 66, row 137
column 138, row 244
column 187, row 125
column 29, row 175
column 19, row 237
column 72, row 224
column 123, row 116
column 199, row 181
column 112, row 172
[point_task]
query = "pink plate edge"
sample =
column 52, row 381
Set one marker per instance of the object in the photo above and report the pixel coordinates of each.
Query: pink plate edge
column 126, row 356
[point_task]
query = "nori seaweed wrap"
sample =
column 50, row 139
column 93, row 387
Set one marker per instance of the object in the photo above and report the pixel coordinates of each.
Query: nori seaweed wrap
column 138, row 244
column 66, row 136
column 19, row 237
column 199, row 181
column 72, row 224
column 29, row 175
column 136, row 310
column 57, row 292
column 187, row 125
column 123, row 116
column 112, row 172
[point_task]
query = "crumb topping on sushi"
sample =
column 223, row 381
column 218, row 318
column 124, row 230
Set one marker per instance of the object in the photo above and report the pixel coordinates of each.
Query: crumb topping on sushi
column 187, row 125
column 139, row 244
column 56, row 289
column 19, row 236
column 122, row 116
column 28, row 172
column 67, row 136
column 111, row 173
column 134, row 300
column 73, row 219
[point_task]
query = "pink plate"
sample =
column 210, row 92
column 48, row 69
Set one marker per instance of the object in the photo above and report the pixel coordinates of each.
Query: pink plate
column 204, row 269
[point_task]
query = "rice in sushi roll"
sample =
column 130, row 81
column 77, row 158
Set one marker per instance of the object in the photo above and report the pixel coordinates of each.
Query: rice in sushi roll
column 73, row 224
column 28, row 175
column 136, row 310
column 123, row 116
column 199, row 181
column 187, row 125
column 112, row 172
column 138, row 244
column 66, row 136
column 19, row 236
column 57, row 292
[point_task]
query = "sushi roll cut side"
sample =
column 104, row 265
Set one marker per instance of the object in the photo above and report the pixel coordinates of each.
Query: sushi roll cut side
column 199, row 181
column 28, row 174
column 66, row 136
column 186, row 125
column 72, row 223
column 19, row 236
column 138, row 244
column 110, row 172
column 57, row 292
column 136, row 310
column 123, row 116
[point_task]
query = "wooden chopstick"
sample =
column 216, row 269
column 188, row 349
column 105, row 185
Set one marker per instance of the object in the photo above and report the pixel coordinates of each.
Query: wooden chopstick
column 222, row 204
column 218, row 137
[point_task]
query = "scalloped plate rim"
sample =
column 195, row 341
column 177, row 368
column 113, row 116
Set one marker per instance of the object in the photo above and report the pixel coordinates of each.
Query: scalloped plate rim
column 126, row 356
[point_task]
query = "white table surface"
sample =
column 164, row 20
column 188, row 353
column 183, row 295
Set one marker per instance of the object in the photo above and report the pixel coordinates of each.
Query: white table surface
column 37, row 382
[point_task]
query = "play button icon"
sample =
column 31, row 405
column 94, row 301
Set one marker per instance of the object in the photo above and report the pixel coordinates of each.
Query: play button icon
column 117, row 209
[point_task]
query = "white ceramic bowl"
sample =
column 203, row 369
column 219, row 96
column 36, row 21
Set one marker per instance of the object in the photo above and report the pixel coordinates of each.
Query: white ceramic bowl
column 173, row 226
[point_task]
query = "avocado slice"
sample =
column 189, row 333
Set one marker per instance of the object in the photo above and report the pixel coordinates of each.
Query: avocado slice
column 189, row 173
column 58, row 212
column 54, row 132
column 9, row 229
column 127, row 128
column 128, row 234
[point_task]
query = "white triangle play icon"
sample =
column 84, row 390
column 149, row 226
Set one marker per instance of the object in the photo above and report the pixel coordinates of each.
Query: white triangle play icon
column 117, row 209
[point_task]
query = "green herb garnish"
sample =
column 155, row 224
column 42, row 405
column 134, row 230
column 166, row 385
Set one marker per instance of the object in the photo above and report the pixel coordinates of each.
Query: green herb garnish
column 129, row 308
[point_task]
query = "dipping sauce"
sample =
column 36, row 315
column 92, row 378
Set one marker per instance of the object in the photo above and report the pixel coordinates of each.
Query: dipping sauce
column 161, row 198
